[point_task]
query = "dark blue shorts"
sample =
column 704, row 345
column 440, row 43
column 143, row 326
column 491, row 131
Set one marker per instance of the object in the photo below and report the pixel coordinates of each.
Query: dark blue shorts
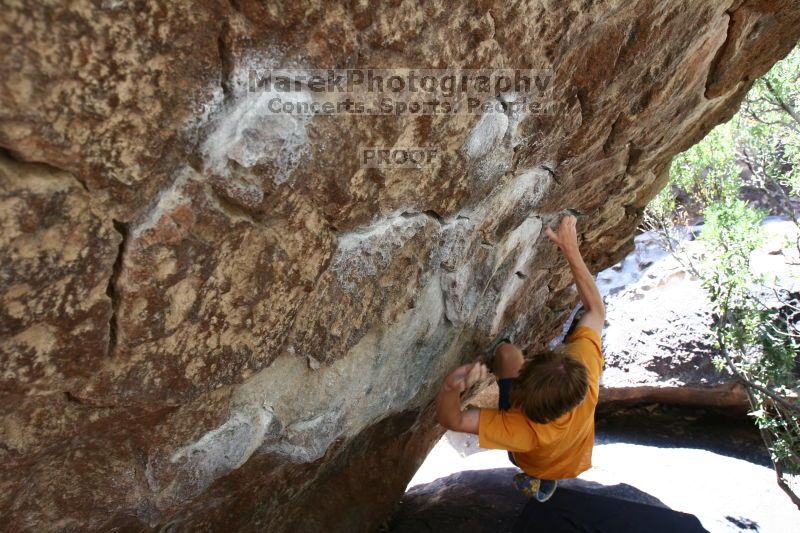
column 505, row 393
column 505, row 403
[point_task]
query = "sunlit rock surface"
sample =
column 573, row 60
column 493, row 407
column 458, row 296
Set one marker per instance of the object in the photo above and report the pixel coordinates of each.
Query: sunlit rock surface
column 215, row 317
column 658, row 341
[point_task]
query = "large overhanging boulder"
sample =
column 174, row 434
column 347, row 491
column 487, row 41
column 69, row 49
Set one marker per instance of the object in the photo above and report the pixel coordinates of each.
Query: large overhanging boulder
column 214, row 317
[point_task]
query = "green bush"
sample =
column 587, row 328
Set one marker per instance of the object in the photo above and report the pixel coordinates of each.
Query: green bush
column 754, row 321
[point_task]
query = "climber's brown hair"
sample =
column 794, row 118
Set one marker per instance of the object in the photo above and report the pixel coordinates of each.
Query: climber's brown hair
column 549, row 385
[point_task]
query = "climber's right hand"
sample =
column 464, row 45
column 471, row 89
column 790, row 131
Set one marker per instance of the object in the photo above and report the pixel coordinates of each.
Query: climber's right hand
column 567, row 237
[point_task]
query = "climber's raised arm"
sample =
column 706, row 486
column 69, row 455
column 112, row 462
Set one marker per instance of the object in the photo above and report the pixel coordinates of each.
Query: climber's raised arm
column 448, row 402
column 567, row 240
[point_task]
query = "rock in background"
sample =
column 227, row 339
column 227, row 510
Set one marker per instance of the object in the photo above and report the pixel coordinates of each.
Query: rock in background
column 658, row 342
column 215, row 317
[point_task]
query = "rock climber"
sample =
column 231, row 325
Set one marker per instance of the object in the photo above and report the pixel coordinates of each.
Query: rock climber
column 546, row 414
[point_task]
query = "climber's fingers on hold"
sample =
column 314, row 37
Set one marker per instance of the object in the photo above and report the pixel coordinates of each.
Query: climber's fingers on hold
column 474, row 373
column 477, row 373
column 461, row 371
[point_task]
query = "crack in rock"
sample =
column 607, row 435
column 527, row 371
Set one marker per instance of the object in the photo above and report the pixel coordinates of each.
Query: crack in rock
column 112, row 289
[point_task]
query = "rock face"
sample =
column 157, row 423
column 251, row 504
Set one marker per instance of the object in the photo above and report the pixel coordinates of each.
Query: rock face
column 485, row 501
column 213, row 316
column 470, row 501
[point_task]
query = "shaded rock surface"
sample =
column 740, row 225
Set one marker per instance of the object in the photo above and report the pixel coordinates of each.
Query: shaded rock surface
column 213, row 316
column 484, row 501
column 469, row 501
column 704, row 462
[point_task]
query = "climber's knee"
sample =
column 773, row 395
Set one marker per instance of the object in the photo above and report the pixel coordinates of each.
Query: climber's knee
column 508, row 360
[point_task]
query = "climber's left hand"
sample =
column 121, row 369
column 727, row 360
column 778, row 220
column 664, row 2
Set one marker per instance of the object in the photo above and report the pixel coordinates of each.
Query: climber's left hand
column 465, row 376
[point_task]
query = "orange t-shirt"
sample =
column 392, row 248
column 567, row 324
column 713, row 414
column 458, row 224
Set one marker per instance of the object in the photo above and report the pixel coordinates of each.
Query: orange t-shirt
column 561, row 448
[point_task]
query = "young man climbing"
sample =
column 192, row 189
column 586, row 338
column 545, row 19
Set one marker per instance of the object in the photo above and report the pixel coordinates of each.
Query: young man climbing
column 546, row 414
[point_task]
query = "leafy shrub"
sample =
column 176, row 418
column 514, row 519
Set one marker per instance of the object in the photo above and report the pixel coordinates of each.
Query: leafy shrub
column 755, row 322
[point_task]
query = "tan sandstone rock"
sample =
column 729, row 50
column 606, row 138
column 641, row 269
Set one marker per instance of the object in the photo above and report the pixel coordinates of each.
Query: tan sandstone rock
column 216, row 318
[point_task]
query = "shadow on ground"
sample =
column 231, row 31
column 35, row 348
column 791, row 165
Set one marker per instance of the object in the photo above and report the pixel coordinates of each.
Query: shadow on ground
column 481, row 501
column 672, row 426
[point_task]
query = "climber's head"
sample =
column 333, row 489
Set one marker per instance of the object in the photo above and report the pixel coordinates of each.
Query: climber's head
column 549, row 385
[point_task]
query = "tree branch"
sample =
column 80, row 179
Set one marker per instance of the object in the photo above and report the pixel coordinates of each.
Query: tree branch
column 766, row 392
column 781, row 102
